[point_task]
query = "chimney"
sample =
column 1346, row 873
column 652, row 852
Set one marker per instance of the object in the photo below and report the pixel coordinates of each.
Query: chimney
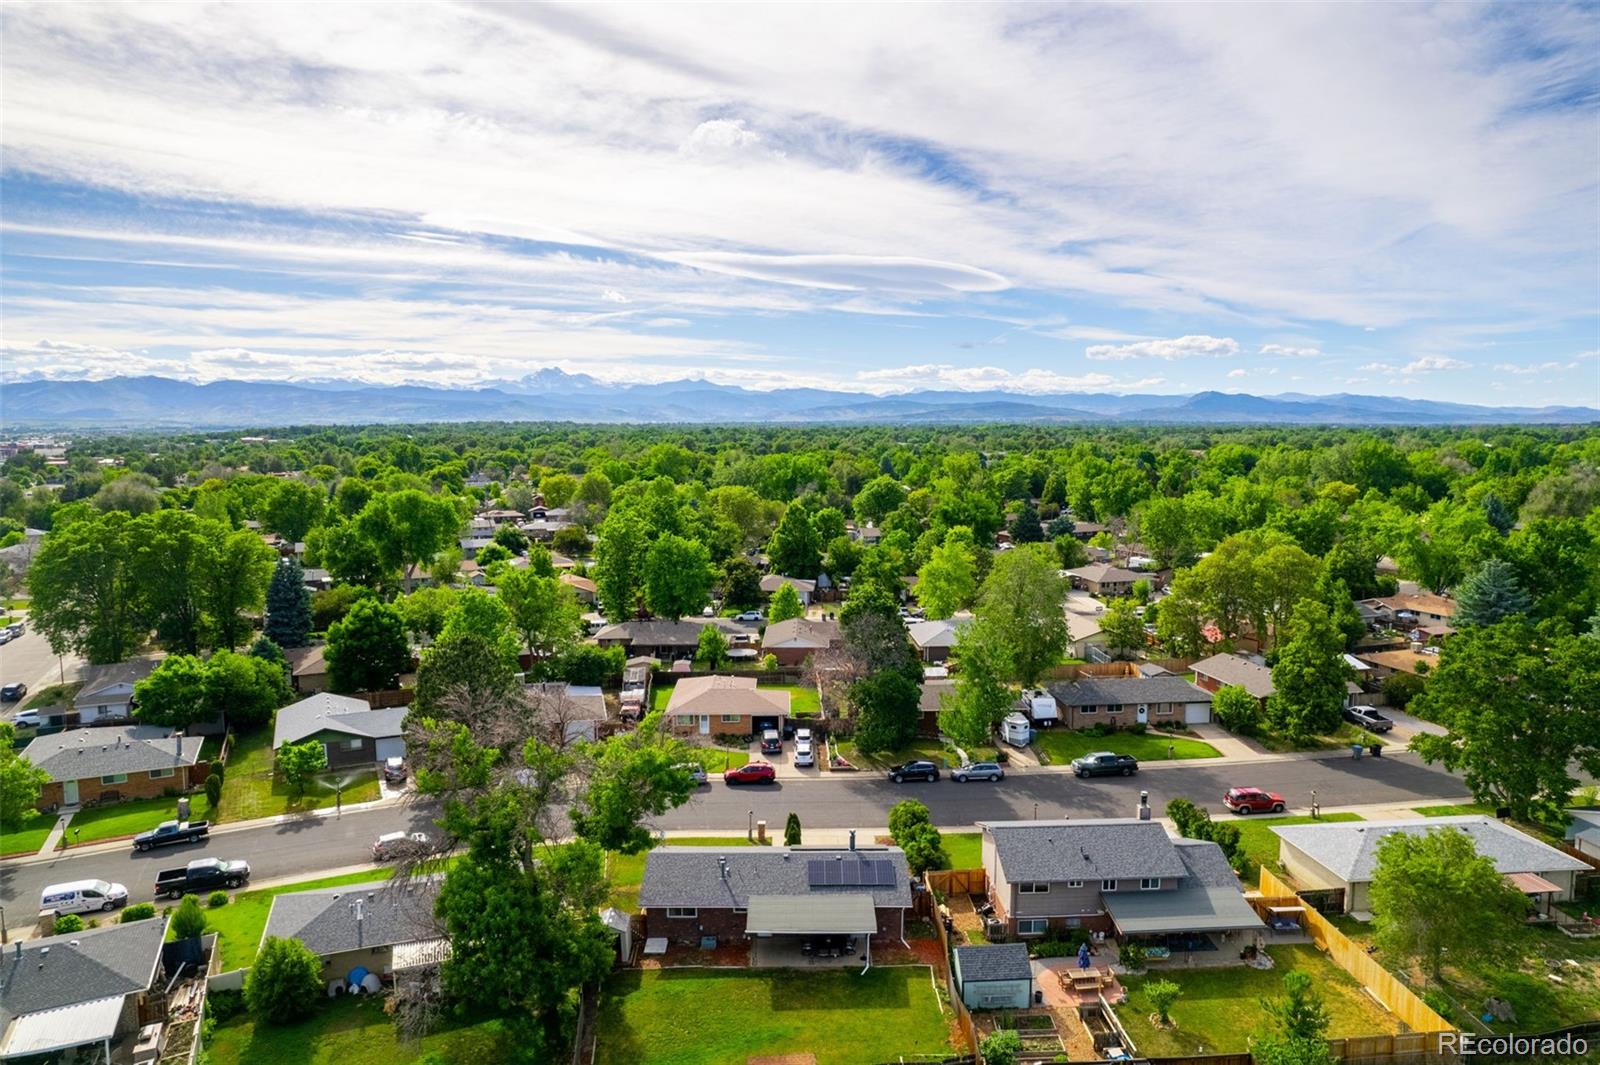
column 852, row 839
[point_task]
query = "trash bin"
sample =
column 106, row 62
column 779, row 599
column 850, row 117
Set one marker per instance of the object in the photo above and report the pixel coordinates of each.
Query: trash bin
column 183, row 808
column 1038, row 998
column 1355, row 751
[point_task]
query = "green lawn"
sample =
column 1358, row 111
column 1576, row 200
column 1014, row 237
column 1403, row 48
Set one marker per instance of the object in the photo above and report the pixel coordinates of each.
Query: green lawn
column 692, row 1016
column 927, row 747
column 251, row 787
column 28, row 835
column 627, row 870
column 1458, row 810
column 354, row 1030
column 1220, row 1008
column 963, row 850
column 1061, row 746
column 1260, row 845
column 1342, row 737
column 54, row 695
column 130, row 818
column 716, row 759
column 238, row 925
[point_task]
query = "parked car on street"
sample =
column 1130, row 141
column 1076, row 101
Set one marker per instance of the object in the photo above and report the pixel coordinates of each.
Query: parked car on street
column 12, row 693
column 978, row 771
column 169, row 832
column 696, row 771
column 5, row 636
column 26, row 719
column 748, row 615
column 202, row 874
column 1253, row 801
column 83, row 896
column 1105, row 764
column 771, row 742
column 918, row 770
column 1367, row 718
column 752, row 773
column 393, row 844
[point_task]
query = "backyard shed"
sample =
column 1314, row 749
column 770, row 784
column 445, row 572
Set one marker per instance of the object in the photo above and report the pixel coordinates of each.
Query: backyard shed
column 995, row 976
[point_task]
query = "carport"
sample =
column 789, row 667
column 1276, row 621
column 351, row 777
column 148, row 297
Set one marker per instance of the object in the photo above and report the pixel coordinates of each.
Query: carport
column 794, row 916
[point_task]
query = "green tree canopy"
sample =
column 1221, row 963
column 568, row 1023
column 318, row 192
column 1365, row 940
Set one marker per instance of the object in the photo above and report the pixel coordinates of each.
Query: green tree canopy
column 884, row 711
column 284, row 982
column 677, row 576
column 1490, row 595
column 288, row 621
column 948, row 581
column 1308, row 680
column 367, row 648
column 785, row 604
column 1023, row 597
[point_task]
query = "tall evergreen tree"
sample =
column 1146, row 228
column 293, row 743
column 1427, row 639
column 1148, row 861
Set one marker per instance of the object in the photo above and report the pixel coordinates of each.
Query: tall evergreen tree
column 1025, row 527
column 1497, row 514
column 288, row 621
column 1492, row 594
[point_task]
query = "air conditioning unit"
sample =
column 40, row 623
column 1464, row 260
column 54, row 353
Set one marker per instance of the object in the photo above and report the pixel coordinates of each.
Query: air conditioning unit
column 994, row 929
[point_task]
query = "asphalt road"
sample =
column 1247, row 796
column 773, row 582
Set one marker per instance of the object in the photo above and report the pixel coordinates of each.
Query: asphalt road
column 30, row 660
column 306, row 847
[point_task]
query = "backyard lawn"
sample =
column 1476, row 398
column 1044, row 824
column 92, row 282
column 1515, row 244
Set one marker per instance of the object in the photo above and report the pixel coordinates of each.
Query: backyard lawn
column 1061, row 746
column 627, row 870
column 1260, row 844
column 238, row 924
column 354, row 1030
column 130, row 818
column 1220, row 1008
column 690, row 1016
column 963, row 850
column 251, row 787
column 27, row 836
column 1342, row 737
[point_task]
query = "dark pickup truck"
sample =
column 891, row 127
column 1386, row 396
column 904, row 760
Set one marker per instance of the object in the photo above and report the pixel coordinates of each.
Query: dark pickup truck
column 202, row 874
column 1104, row 763
column 172, row 832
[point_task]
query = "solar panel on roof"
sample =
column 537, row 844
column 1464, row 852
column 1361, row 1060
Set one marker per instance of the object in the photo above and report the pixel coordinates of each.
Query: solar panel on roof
column 835, row 874
column 816, row 873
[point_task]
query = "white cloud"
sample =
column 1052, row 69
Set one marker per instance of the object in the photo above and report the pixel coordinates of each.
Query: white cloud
column 986, row 378
column 1534, row 368
column 1424, row 365
column 1185, row 347
column 720, row 138
column 1241, row 372
column 1288, row 352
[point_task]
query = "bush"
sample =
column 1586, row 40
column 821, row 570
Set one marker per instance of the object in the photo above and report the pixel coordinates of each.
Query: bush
column 906, row 814
column 139, row 911
column 217, row 769
column 189, row 920
column 1138, row 728
column 1400, row 688
column 1435, row 999
column 1236, row 710
column 68, row 923
column 1132, row 956
column 214, row 790
column 1163, row 993
column 791, row 831
column 1001, row 1048
column 217, row 899
column 769, row 662
column 1059, row 947
column 224, row 1004
column 285, row 983
column 924, row 848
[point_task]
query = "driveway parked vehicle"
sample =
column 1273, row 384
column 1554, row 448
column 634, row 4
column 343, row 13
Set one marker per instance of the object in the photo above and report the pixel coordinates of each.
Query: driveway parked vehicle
column 394, row 770
column 1105, row 764
column 1367, row 718
column 978, row 771
column 771, row 742
column 918, row 770
column 696, row 771
column 394, row 844
column 26, row 719
column 748, row 615
column 1254, row 801
column 169, row 832
column 753, row 773
column 13, row 692
column 804, row 755
column 202, row 874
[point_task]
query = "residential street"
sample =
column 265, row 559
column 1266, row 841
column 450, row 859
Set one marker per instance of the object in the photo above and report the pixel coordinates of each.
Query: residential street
column 305, row 848
column 31, row 661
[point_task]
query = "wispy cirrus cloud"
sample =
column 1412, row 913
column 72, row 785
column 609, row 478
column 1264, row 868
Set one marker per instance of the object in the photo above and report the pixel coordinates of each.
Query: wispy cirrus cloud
column 1187, row 347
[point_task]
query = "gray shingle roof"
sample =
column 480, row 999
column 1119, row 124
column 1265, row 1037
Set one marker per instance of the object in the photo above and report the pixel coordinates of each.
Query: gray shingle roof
column 584, row 702
column 1350, row 851
column 1101, row 573
column 653, row 633
column 692, row 876
column 119, row 959
column 801, row 632
column 1207, row 865
column 1083, row 850
column 112, row 674
column 98, row 752
column 1125, row 691
column 1231, row 669
column 994, row 961
column 325, row 920
column 335, row 713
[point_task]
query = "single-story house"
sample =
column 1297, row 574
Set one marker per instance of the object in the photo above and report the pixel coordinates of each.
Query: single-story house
column 1084, row 632
column 1222, row 670
column 663, row 639
column 931, row 703
column 316, row 580
column 1583, row 831
column 934, row 640
column 308, row 668
column 113, row 763
column 475, row 541
column 1088, row 530
column 350, row 731
column 1103, row 579
column 723, row 704
column 794, row 640
column 1385, row 664
column 1420, row 606
column 693, row 893
column 803, row 588
column 107, row 691
column 580, row 709
column 582, row 587
column 381, row 928
column 994, row 976
column 90, row 989
column 1121, row 876
column 1345, row 855
column 1124, row 701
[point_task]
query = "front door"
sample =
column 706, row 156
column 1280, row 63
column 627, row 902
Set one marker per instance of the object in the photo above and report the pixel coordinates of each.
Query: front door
column 705, row 724
column 1144, row 713
column 69, row 793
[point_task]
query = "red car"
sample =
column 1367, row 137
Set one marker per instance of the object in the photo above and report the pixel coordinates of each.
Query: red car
column 1253, row 801
column 754, row 773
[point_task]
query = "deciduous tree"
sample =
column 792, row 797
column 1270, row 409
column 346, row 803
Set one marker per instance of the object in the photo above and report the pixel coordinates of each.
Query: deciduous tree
column 885, row 711
column 948, row 581
column 367, row 649
column 785, row 604
column 1236, row 710
column 1123, row 627
column 284, row 982
column 1023, row 597
column 86, row 598
column 301, row 762
column 677, row 576
column 1309, row 677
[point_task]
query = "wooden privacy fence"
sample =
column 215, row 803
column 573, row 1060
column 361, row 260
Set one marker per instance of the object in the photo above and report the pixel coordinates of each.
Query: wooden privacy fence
column 969, row 1030
column 1357, row 1050
column 949, row 882
column 1353, row 959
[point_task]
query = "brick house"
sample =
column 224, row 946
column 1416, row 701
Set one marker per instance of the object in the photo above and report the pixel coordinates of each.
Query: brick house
column 793, row 641
column 1124, row 701
column 709, row 706
column 113, row 764
column 739, row 893
column 1102, row 579
column 1123, row 877
column 350, row 731
column 656, row 638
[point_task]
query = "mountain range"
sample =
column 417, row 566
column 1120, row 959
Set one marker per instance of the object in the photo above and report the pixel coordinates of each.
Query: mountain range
column 552, row 395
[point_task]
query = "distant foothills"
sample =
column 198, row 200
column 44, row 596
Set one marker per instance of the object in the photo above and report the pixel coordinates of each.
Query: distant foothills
column 552, row 395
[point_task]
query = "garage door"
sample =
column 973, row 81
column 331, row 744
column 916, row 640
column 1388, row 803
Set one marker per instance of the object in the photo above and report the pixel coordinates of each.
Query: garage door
column 391, row 748
column 1196, row 713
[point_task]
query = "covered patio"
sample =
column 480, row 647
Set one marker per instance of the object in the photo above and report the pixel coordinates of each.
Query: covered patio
column 799, row 932
column 1540, row 892
column 83, row 1032
column 1204, row 925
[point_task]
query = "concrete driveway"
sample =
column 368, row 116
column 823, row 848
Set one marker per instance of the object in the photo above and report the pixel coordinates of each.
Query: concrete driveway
column 1407, row 726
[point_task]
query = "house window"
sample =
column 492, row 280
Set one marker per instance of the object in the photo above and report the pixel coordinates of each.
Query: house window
column 731, row 719
column 1074, row 883
column 1150, row 883
column 1108, row 885
column 685, row 912
column 1036, row 926
column 353, row 745
column 1164, row 709
column 738, row 909
column 160, row 774
column 1115, row 709
column 1033, row 887
column 1088, row 710
column 114, row 778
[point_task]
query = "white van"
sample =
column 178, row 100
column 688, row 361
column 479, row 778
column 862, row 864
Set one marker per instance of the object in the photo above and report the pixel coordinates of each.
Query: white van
column 83, row 896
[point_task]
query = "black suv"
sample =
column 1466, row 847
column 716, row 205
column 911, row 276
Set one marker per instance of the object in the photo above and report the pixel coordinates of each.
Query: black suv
column 913, row 771
column 12, row 692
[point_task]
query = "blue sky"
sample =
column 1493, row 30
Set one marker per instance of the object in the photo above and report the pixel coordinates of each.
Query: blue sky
column 1396, row 199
